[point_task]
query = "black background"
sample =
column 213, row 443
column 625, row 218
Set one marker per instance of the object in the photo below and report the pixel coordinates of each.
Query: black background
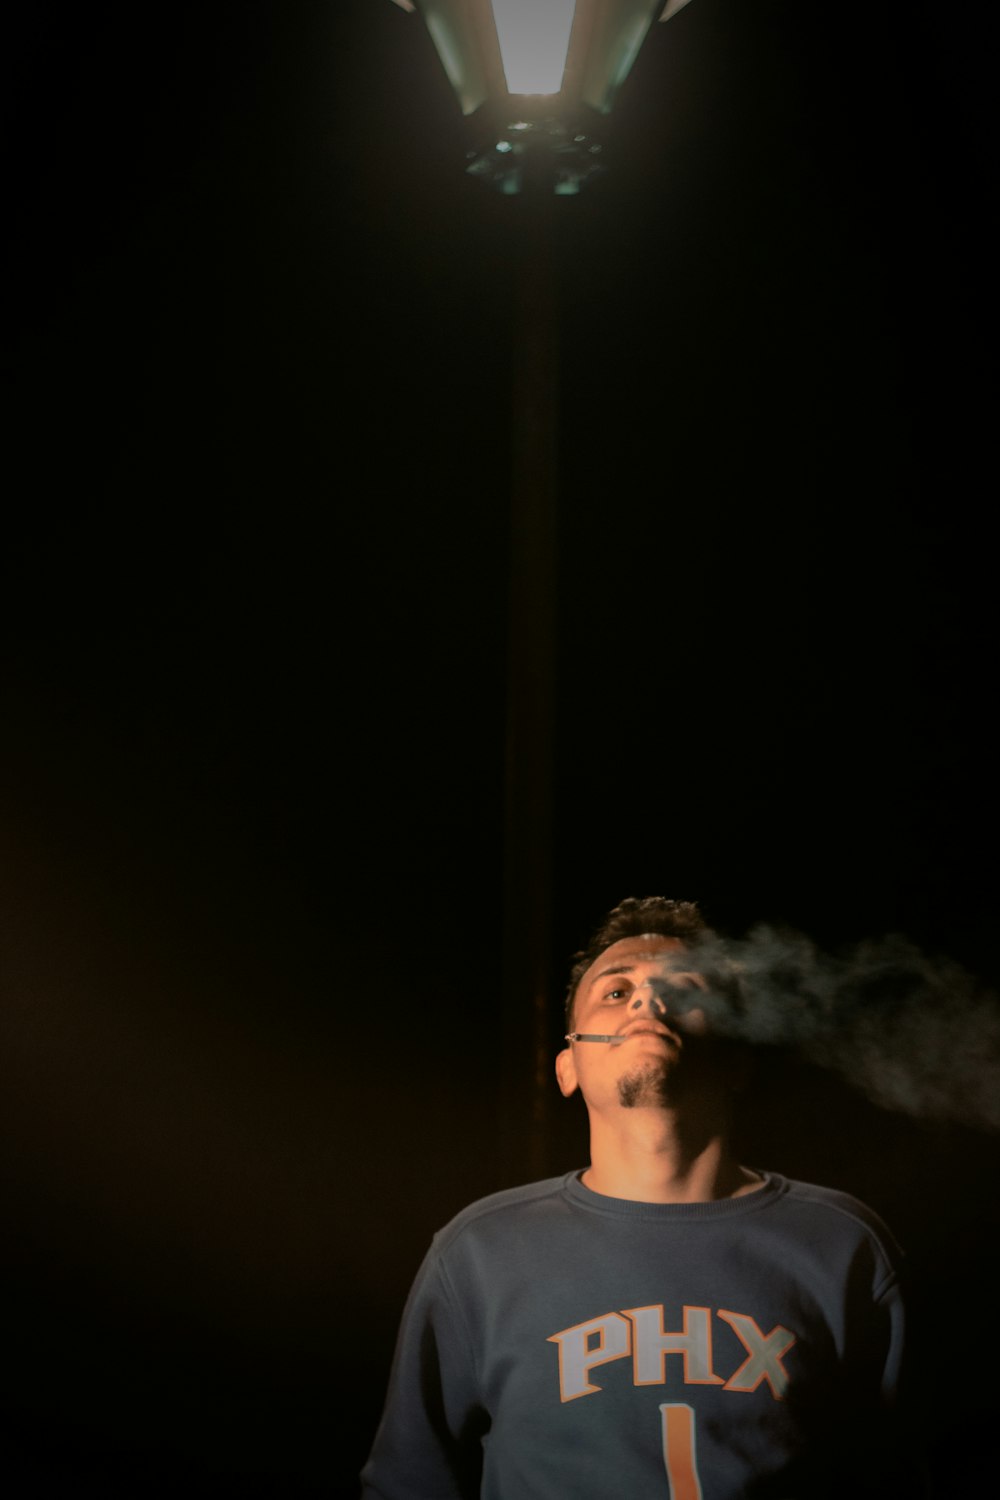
column 254, row 571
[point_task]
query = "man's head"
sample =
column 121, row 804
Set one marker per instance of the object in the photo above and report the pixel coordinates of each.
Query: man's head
column 638, row 981
column 633, row 918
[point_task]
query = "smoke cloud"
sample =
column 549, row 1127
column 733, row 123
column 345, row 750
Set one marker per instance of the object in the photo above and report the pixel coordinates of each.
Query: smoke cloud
column 916, row 1034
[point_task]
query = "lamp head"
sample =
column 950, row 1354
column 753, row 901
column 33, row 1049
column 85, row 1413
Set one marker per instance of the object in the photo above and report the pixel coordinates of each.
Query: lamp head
column 535, row 78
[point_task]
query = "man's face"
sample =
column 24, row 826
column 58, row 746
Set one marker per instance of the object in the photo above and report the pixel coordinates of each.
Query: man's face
column 640, row 990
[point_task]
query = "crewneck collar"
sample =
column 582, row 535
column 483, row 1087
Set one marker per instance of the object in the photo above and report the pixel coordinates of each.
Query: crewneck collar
column 630, row 1208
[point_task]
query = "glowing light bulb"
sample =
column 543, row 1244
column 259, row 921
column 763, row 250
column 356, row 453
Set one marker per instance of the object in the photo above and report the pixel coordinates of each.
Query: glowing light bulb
column 534, row 41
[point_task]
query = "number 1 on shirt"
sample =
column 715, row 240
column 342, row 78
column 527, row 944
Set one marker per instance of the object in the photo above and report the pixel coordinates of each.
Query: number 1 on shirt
column 679, row 1451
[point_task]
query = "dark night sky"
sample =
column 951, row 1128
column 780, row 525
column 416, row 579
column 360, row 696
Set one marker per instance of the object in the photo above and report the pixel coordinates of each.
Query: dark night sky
column 253, row 582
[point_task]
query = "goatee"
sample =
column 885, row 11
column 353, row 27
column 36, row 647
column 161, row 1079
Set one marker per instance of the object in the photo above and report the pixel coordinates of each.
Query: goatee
column 645, row 1086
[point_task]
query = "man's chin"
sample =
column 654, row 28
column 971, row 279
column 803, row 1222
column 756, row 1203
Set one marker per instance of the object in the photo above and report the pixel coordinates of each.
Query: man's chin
column 645, row 1086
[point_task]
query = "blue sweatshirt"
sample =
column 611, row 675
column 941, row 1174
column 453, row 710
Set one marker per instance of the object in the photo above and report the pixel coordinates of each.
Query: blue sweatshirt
column 562, row 1345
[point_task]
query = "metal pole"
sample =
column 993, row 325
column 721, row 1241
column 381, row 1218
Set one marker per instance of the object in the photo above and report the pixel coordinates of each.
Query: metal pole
column 526, row 970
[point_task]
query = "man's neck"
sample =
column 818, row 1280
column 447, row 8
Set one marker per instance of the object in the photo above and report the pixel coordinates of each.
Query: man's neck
column 649, row 1156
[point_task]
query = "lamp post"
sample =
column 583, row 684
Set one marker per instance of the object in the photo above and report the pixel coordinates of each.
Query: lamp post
column 535, row 81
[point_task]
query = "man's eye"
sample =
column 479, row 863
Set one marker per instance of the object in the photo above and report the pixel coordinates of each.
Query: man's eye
column 615, row 995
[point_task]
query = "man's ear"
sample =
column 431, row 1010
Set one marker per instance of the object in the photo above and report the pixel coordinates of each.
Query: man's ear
column 566, row 1072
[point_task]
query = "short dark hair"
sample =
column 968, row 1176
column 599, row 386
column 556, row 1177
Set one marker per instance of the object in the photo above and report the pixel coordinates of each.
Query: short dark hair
column 635, row 917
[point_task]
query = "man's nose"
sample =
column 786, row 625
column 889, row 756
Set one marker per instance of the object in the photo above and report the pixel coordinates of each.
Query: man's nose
column 647, row 997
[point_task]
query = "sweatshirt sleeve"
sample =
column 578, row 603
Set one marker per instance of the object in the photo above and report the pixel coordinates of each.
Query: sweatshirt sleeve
column 907, row 1439
column 886, row 1452
column 429, row 1442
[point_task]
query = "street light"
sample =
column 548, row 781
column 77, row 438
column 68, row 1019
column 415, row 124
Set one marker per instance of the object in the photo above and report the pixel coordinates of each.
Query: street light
column 537, row 78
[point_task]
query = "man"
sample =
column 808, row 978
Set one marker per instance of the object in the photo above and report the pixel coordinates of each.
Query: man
column 667, row 1323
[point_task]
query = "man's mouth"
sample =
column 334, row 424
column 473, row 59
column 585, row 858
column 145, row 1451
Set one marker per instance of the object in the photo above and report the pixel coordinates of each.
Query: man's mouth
column 648, row 1028
column 639, row 1028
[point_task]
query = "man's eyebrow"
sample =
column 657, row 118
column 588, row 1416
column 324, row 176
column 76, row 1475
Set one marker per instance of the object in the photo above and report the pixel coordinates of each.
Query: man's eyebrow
column 630, row 969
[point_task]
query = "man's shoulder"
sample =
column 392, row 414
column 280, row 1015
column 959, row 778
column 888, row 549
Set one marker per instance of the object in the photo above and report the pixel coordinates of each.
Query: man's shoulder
column 836, row 1201
column 836, row 1206
column 508, row 1208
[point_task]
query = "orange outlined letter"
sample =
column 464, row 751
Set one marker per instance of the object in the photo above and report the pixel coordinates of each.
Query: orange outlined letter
column 652, row 1345
column 586, row 1346
column 765, row 1353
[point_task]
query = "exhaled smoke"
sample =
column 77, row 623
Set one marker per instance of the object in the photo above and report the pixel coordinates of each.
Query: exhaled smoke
column 915, row 1033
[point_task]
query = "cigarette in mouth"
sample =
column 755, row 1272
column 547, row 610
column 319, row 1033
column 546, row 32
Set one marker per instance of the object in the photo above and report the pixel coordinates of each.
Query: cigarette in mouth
column 588, row 1036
